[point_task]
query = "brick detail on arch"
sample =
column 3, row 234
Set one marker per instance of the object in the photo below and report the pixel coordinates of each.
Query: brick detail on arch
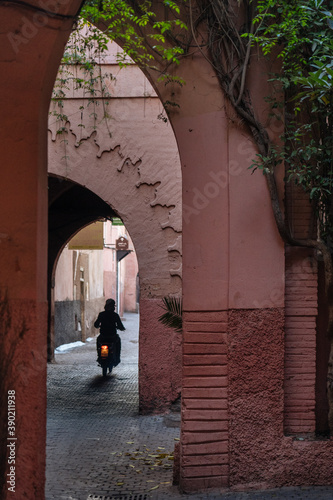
column 205, row 453
column 300, row 341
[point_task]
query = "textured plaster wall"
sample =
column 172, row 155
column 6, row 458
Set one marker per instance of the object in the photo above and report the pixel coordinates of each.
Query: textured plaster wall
column 109, row 266
column 131, row 272
column 137, row 172
column 92, row 308
column 260, row 455
column 67, row 312
column 65, row 326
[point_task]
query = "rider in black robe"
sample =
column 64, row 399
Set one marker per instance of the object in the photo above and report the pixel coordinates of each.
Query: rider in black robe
column 109, row 322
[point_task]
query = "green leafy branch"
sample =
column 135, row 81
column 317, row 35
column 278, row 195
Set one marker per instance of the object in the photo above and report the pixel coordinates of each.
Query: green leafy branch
column 143, row 37
column 173, row 316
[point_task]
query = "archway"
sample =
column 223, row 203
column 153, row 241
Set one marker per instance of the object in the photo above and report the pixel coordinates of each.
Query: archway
column 71, row 207
column 159, row 368
column 71, row 211
column 132, row 163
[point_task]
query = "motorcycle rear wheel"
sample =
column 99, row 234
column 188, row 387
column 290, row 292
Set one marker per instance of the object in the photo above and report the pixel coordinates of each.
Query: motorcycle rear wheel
column 104, row 370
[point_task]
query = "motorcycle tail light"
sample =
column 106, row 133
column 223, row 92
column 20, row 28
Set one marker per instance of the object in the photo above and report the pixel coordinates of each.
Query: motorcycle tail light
column 104, row 351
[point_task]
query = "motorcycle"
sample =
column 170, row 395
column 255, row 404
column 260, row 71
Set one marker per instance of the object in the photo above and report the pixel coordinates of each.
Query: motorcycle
column 106, row 357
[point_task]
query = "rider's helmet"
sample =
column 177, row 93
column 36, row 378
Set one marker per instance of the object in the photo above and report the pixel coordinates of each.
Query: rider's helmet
column 110, row 304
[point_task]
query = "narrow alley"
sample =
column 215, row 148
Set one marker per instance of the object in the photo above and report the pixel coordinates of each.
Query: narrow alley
column 97, row 444
column 100, row 448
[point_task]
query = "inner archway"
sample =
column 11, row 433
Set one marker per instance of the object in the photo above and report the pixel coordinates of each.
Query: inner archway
column 86, row 393
column 71, row 207
column 133, row 166
column 92, row 267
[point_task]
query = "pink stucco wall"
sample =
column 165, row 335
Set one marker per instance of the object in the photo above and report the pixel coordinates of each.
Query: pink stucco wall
column 136, row 171
column 159, row 360
column 28, row 65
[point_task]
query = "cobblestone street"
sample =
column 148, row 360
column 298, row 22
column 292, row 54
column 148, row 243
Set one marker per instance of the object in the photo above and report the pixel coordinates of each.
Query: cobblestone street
column 97, row 442
column 100, row 448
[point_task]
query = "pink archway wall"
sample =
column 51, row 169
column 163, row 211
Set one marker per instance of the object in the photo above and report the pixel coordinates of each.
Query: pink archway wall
column 233, row 278
column 31, row 46
column 131, row 161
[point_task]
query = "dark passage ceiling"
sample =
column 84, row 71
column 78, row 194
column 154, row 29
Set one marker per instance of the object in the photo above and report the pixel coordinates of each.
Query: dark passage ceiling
column 71, row 207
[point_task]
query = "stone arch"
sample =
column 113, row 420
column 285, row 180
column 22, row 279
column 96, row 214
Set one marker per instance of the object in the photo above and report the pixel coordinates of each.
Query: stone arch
column 132, row 163
column 71, row 207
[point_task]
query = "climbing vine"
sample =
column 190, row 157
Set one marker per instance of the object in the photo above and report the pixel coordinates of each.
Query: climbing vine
column 144, row 40
column 81, row 71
